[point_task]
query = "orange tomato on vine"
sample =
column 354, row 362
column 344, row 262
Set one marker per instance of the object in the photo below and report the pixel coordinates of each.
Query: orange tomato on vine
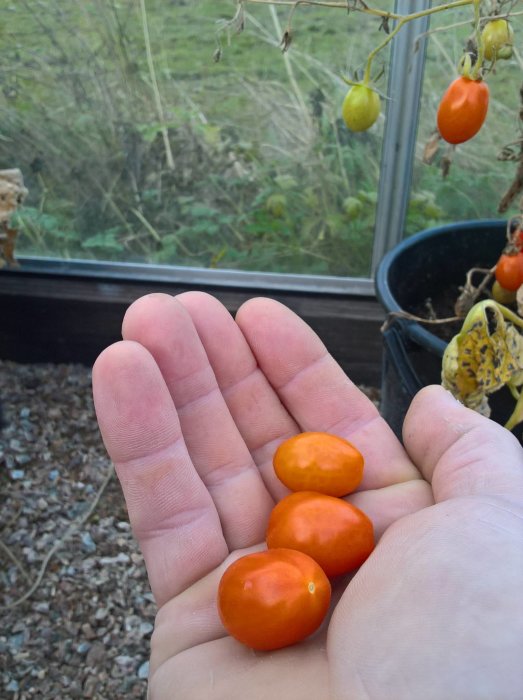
column 463, row 109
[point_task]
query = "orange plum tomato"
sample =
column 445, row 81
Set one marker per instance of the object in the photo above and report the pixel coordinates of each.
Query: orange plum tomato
column 361, row 107
column 272, row 599
column 463, row 109
column 315, row 461
column 333, row 532
column 509, row 271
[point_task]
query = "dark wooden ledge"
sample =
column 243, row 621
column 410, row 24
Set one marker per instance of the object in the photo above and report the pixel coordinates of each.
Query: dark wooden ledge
column 66, row 318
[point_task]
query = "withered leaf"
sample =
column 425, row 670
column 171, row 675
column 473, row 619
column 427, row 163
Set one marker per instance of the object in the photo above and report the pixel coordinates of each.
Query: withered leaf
column 484, row 356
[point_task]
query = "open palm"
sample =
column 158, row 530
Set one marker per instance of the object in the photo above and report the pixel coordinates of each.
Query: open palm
column 192, row 404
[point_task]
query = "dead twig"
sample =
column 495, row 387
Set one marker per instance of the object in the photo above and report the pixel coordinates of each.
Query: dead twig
column 412, row 317
column 469, row 293
column 10, row 555
column 70, row 531
column 517, row 183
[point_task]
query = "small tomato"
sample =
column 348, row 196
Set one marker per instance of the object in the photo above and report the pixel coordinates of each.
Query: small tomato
column 315, row 461
column 361, row 107
column 272, row 599
column 463, row 109
column 509, row 271
column 502, row 295
column 333, row 532
column 497, row 37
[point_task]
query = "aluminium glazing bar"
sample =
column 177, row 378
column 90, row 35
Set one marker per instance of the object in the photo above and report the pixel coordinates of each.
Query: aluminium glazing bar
column 407, row 62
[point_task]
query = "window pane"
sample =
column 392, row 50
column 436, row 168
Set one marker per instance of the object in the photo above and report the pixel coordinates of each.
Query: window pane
column 166, row 156
column 477, row 178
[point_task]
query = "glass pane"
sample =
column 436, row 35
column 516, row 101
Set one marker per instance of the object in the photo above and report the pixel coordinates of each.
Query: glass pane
column 478, row 178
column 136, row 145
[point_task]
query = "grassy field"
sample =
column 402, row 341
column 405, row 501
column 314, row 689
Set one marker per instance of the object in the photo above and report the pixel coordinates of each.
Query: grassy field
column 137, row 145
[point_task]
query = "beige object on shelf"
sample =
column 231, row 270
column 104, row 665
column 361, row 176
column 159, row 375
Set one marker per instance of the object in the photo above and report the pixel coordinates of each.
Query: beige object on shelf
column 12, row 194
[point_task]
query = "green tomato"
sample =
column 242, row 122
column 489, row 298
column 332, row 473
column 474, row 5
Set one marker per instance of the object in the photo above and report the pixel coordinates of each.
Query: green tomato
column 352, row 207
column 502, row 295
column 497, row 37
column 361, row 107
column 276, row 205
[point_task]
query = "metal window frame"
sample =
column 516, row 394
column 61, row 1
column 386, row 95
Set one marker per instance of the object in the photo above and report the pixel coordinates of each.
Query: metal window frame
column 407, row 64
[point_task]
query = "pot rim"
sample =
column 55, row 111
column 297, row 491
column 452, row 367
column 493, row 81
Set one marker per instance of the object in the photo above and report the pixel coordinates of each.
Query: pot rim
column 385, row 295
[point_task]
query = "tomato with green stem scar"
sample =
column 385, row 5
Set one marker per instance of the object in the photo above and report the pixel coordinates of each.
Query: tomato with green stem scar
column 272, row 599
column 463, row 109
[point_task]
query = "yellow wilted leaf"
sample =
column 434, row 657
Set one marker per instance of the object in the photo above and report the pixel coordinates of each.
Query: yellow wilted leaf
column 484, row 356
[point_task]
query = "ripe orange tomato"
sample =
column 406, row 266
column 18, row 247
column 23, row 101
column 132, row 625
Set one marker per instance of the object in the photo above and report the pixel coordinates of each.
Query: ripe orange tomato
column 274, row 598
column 333, row 532
column 314, row 461
column 509, row 271
column 463, row 109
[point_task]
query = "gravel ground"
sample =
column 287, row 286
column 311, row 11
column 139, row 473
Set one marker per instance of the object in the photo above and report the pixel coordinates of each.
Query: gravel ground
column 75, row 606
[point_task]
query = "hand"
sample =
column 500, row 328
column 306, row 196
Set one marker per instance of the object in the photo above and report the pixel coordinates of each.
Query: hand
column 192, row 404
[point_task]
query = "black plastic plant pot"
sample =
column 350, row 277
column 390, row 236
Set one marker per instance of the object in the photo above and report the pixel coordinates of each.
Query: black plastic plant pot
column 423, row 275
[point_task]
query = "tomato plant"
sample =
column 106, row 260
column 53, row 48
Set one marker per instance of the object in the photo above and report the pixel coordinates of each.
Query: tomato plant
column 509, row 271
column 333, row 532
column 361, row 107
column 273, row 599
column 497, row 37
column 315, row 461
column 463, row 109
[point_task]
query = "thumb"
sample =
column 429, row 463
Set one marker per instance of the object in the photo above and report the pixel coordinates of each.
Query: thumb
column 460, row 452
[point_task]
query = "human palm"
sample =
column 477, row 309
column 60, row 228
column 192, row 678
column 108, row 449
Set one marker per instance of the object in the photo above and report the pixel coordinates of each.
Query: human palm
column 192, row 404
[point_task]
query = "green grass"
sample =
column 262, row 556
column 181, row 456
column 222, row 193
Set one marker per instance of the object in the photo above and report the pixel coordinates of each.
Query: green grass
column 266, row 177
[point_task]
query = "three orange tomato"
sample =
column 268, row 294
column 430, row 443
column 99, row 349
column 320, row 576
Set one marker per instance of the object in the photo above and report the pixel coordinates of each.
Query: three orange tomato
column 277, row 597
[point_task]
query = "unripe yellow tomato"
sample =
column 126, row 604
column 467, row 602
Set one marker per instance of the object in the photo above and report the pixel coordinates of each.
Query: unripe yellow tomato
column 502, row 295
column 276, row 205
column 497, row 37
column 361, row 107
column 352, row 207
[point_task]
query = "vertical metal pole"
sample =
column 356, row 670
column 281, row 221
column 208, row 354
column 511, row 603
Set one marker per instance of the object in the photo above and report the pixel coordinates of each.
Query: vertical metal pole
column 407, row 63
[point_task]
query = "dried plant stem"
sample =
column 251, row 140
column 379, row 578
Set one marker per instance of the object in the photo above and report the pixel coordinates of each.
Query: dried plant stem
column 156, row 89
column 288, row 66
column 7, row 551
column 59, row 542
column 412, row 317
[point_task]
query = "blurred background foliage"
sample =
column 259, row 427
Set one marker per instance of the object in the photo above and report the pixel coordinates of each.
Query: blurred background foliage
column 137, row 145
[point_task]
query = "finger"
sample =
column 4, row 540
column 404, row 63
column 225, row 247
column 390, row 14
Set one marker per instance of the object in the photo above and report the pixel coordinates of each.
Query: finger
column 459, row 451
column 171, row 511
column 260, row 416
column 386, row 505
column 191, row 618
column 317, row 393
column 162, row 325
